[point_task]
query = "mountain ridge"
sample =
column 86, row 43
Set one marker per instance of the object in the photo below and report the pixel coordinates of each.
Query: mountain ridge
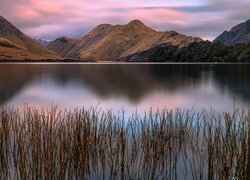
column 133, row 41
column 110, row 42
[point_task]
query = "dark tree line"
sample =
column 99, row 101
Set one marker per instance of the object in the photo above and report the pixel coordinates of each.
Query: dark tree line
column 199, row 52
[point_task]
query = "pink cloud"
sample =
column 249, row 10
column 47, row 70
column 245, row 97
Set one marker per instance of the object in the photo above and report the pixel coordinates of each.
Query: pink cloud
column 157, row 16
column 75, row 15
column 23, row 13
column 47, row 7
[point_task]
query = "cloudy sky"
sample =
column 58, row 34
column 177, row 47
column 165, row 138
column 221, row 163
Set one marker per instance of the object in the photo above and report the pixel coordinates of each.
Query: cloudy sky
column 50, row 19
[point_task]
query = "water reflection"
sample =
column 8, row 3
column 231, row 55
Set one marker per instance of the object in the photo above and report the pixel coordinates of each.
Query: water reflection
column 130, row 86
column 235, row 79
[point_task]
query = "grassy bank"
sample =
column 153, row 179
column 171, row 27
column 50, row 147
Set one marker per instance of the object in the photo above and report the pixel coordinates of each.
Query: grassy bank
column 44, row 60
column 88, row 144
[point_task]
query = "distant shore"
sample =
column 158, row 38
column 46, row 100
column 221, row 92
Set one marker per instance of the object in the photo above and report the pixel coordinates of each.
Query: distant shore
column 112, row 62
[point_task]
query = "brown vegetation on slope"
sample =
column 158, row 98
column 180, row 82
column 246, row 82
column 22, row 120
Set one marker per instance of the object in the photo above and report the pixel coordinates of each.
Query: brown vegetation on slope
column 14, row 45
column 10, row 32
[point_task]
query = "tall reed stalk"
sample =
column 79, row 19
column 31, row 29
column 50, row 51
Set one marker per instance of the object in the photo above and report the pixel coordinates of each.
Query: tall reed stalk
column 89, row 144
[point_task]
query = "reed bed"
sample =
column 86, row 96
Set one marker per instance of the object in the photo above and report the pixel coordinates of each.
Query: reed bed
column 90, row 144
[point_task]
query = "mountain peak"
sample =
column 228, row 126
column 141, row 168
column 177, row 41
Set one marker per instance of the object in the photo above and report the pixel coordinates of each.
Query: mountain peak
column 64, row 37
column 138, row 26
column 238, row 34
column 104, row 25
column 135, row 22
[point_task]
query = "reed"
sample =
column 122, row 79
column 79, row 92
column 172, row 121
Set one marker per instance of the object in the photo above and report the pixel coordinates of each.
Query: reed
column 90, row 144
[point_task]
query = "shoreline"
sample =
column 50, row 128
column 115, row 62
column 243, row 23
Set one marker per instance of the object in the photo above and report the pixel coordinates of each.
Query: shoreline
column 70, row 61
column 41, row 61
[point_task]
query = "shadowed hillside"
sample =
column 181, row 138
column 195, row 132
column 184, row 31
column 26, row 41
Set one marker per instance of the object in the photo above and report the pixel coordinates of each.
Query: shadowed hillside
column 238, row 34
column 195, row 52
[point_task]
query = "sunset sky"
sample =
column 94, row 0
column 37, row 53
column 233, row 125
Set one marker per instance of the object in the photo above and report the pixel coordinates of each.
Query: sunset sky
column 50, row 19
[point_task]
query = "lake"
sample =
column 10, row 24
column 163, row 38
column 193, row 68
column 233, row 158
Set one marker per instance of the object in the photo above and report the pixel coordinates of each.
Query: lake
column 129, row 87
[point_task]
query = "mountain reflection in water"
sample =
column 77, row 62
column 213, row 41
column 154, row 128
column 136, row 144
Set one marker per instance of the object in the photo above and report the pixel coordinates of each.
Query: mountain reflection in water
column 128, row 86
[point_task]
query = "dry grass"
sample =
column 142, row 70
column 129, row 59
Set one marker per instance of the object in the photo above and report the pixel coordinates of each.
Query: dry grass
column 88, row 144
column 12, row 51
column 7, row 53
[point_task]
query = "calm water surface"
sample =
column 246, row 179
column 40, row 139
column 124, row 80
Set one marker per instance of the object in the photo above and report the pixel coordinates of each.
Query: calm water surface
column 132, row 87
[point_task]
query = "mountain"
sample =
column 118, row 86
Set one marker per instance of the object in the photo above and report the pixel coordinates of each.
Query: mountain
column 111, row 42
column 62, row 45
column 238, row 34
column 16, row 45
column 43, row 42
column 12, row 51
